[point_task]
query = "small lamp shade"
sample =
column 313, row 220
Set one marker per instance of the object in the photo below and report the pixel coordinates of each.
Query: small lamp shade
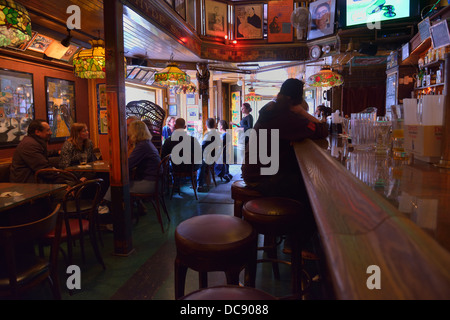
column 15, row 24
column 325, row 78
column 90, row 63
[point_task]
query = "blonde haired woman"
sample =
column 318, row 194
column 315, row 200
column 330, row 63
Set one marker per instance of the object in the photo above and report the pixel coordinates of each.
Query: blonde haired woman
column 76, row 147
column 143, row 159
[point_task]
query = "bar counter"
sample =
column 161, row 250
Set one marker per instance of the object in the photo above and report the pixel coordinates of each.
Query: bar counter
column 358, row 198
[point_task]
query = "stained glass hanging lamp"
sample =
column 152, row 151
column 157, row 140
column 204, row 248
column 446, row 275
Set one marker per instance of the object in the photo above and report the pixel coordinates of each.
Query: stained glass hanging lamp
column 90, row 63
column 171, row 75
column 15, row 24
column 252, row 95
column 325, row 78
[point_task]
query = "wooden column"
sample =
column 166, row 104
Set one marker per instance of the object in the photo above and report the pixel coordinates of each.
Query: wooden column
column 115, row 90
column 203, row 76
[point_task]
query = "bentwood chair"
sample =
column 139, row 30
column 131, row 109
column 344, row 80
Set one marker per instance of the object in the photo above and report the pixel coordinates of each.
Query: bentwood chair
column 178, row 175
column 21, row 270
column 53, row 175
column 157, row 197
column 80, row 216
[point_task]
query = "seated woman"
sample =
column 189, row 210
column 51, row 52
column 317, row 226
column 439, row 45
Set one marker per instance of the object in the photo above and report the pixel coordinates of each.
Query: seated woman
column 77, row 147
column 222, row 169
column 143, row 161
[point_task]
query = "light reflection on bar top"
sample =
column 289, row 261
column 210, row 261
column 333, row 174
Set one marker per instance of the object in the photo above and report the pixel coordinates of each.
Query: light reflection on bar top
column 418, row 189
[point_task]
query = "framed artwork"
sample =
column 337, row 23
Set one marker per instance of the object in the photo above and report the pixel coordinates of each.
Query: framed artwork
column 133, row 73
column 61, row 112
column 40, row 43
column 180, row 8
column 279, row 27
column 25, row 45
column 172, row 110
column 190, row 13
column 440, row 34
column 102, row 113
column 70, row 52
column 322, row 18
column 141, row 74
column 151, row 79
column 148, row 77
column 216, row 18
column 16, row 106
column 249, row 20
column 190, row 98
column 192, row 113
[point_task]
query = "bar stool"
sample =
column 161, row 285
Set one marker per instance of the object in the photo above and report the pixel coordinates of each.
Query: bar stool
column 277, row 216
column 240, row 193
column 228, row 293
column 215, row 242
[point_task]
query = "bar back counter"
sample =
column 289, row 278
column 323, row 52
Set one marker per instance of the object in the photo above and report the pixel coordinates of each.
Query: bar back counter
column 365, row 237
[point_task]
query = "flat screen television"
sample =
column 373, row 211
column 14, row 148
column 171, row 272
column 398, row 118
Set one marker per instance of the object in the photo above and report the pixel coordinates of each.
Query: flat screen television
column 357, row 13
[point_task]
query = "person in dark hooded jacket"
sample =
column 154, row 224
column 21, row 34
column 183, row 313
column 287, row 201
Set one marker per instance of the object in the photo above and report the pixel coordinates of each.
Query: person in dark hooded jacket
column 293, row 123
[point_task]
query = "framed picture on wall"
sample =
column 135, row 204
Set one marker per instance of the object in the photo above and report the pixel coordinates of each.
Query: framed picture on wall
column 172, row 109
column 40, row 43
column 180, row 8
column 102, row 113
column 16, row 106
column 216, row 18
column 61, row 111
column 249, row 19
column 322, row 18
column 279, row 21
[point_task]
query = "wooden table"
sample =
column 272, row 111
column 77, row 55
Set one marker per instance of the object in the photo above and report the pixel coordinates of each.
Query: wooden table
column 28, row 192
column 360, row 227
column 96, row 166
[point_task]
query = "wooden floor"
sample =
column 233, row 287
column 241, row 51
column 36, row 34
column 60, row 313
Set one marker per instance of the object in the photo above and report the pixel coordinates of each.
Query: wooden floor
column 148, row 272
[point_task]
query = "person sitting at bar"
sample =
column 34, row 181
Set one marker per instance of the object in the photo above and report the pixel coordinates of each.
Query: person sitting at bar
column 293, row 123
column 223, row 169
column 168, row 128
column 143, row 161
column 211, row 136
column 195, row 149
column 77, row 149
column 31, row 155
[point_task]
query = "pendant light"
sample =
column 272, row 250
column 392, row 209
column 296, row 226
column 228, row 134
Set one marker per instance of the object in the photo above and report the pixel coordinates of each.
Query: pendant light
column 325, row 78
column 171, row 75
column 90, row 63
column 252, row 96
column 15, row 24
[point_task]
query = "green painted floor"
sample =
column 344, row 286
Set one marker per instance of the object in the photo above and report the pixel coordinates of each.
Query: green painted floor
column 147, row 273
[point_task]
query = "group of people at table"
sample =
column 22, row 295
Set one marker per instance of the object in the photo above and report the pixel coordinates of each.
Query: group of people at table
column 285, row 114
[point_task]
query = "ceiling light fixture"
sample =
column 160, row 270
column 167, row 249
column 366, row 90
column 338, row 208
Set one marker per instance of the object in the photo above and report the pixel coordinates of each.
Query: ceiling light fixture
column 15, row 24
column 252, row 95
column 171, row 75
column 90, row 63
column 325, row 78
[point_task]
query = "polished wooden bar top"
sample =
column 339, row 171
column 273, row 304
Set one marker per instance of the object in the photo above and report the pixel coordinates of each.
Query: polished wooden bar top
column 15, row 194
column 96, row 166
column 356, row 198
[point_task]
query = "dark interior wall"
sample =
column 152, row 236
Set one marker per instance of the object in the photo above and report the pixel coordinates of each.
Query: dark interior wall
column 39, row 72
column 364, row 87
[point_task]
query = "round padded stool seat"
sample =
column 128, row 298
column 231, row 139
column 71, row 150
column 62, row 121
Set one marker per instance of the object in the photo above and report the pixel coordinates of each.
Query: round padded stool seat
column 241, row 193
column 278, row 216
column 214, row 242
column 228, row 293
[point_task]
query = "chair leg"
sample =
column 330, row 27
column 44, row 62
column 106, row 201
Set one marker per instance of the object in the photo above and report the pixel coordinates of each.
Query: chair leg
column 95, row 246
column 158, row 212
column 163, row 202
column 180, row 278
column 194, row 184
column 213, row 175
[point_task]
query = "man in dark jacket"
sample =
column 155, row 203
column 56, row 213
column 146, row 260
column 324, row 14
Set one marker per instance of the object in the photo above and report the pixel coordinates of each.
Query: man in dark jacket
column 31, row 153
column 282, row 122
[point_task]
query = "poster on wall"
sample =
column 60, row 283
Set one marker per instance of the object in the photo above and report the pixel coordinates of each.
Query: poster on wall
column 279, row 21
column 192, row 113
column 322, row 17
column 101, row 108
column 235, row 112
column 249, row 21
column 216, row 18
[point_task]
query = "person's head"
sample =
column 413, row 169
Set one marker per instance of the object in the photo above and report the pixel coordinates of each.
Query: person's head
column 321, row 16
column 210, row 123
column 223, row 125
column 130, row 119
column 79, row 134
column 170, row 122
column 246, row 108
column 138, row 131
column 291, row 91
column 180, row 123
column 39, row 128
